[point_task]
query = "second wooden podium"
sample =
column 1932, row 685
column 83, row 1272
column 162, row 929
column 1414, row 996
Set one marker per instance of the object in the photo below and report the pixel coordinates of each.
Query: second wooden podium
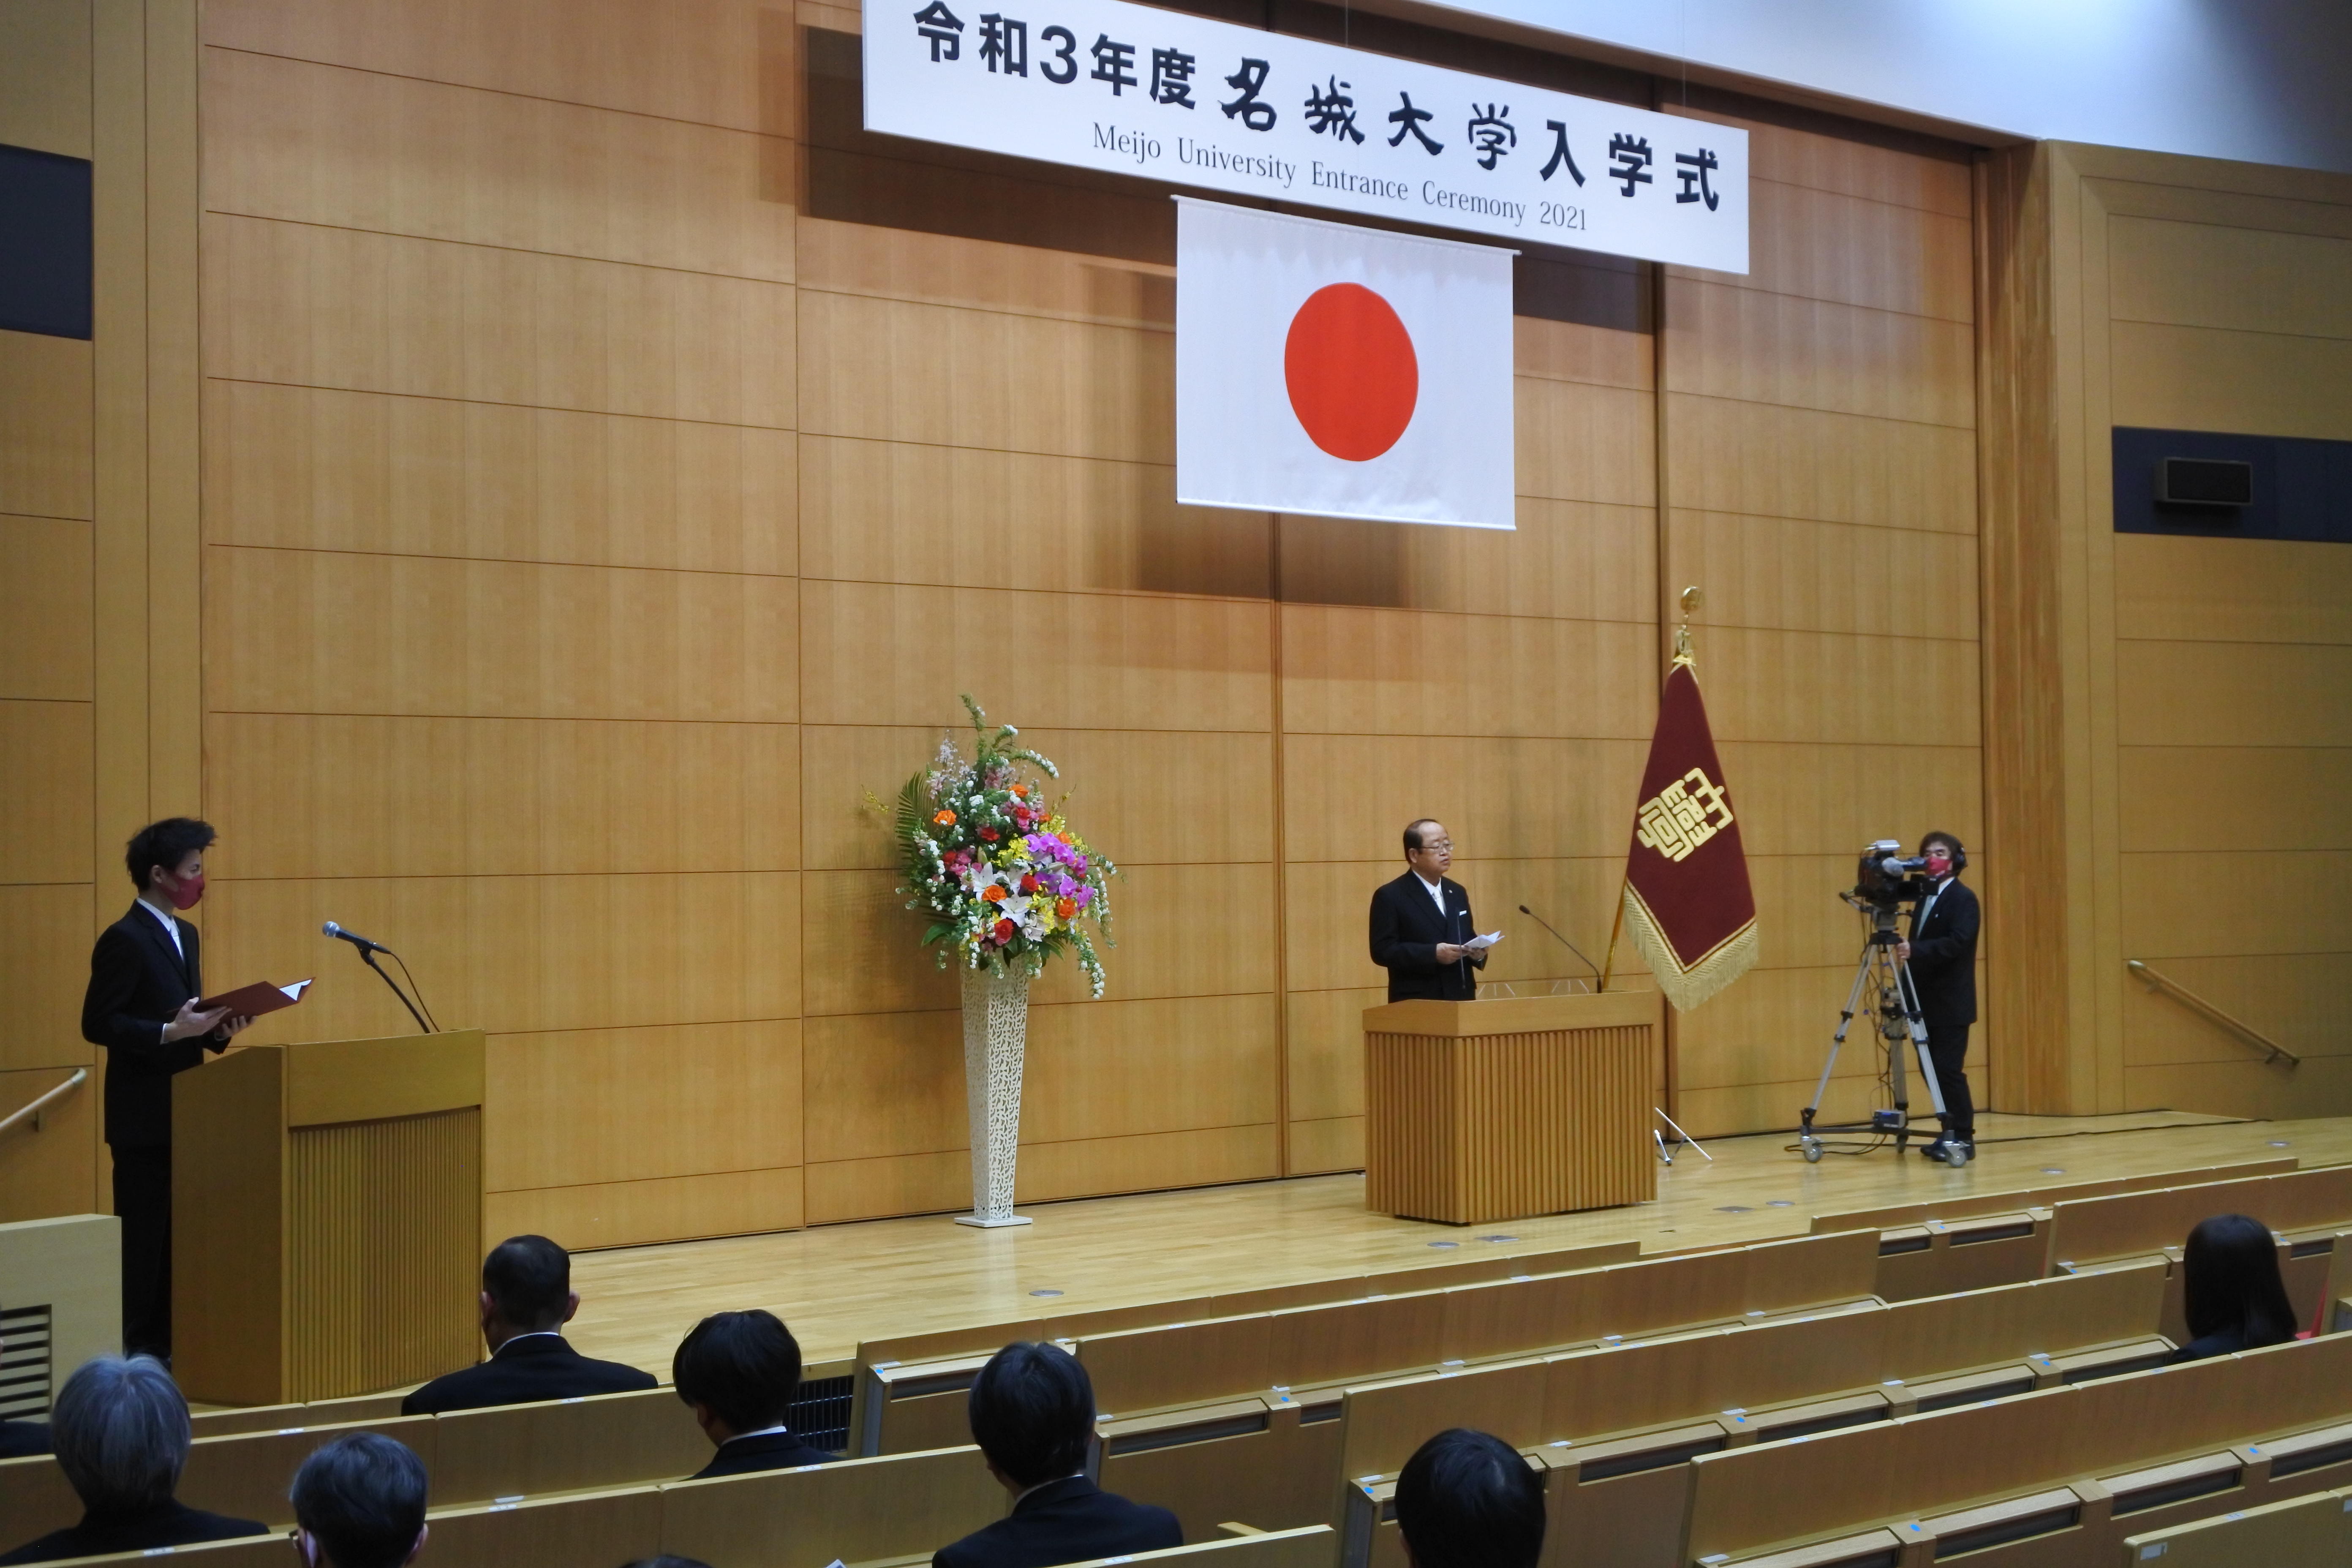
column 326, row 1218
column 1507, row 1108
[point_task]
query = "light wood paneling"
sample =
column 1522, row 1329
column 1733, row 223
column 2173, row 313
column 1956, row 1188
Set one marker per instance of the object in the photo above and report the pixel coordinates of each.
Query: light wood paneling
column 1792, row 575
column 713, row 62
column 339, row 795
column 894, row 511
column 316, row 632
column 44, row 75
column 1797, row 797
column 1827, row 245
column 1769, row 461
column 885, row 1185
column 1140, row 1164
column 2240, row 279
column 581, row 1106
column 878, row 653
column 511, row 953
column 860, row 954
column 897, row 371
column 2234, row 798
column 1333, row 1145
column 2295, row 998
column 905, row 265
column 2246, row 1088
column 309, row 467
column 1573, row 351
column 2233, row 590
column 1327, row 1064
column 1770, row 685
column 2232, row 694
column 1851, row 168
column 52, row 1171
column 45, row 425
column 2196, row 378
column 1362, row 671
column 2236, row 902
column 892, row 1083
column 44, row 777
column 1756, row 346
column 1565, row 560
column 45, row 931
column 1775, row 1028
column 663, row 1208
column 1130, row 792
column 321, row 307
column 1581, row 442
column 45, row 613
column 1501, row 798
column 393, row 155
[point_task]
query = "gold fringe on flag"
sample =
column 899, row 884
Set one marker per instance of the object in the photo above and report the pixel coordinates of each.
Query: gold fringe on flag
column 1687, row 987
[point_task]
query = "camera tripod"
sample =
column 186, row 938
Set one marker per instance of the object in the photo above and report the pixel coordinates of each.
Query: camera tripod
column 1883, row 988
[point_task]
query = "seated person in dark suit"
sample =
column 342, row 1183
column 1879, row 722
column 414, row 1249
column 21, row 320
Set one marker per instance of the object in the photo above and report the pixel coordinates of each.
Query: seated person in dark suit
column 527, row 1298
column 1032, row 1415
column 1468, row 1500
column 741, row 1371
column 359, row 1503
column 121, row 1430
column 2234, row 1297
column 20, row 1438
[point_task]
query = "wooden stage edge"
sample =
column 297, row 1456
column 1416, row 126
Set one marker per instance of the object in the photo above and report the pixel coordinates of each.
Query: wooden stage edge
column 836, row 1285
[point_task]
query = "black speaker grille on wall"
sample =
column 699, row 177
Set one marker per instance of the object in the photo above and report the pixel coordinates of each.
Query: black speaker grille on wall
column 2204, row 482
column 24, row 1361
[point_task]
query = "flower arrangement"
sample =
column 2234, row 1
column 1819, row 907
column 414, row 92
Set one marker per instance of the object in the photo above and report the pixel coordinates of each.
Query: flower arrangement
column 1007, row 882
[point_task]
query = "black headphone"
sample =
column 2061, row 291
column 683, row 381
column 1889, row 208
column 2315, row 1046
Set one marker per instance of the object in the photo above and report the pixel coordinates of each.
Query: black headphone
column 1959, row 850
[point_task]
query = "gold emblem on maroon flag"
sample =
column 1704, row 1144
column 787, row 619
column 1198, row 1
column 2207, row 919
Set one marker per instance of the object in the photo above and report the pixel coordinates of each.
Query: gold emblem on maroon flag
column 1688, row 900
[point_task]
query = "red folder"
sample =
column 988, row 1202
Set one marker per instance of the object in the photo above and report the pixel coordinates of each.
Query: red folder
column 252, row 1001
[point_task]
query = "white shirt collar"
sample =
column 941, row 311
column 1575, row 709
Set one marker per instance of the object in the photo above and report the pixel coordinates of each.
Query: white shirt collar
column 776, row 1431
column 533, row 1334
column 1041, row 1486
column 170, row 923
column 1436, row 889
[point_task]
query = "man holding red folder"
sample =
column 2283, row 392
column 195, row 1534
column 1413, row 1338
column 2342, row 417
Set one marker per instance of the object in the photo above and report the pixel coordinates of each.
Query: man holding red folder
column 145, row 976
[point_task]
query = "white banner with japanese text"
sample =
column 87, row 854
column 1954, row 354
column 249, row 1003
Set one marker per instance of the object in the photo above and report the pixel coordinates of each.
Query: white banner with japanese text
column 1134, row 89
column 1338, row 371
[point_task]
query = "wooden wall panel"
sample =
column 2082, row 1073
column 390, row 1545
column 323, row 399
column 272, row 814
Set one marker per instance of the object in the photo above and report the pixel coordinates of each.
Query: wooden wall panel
column 45, row 77
column 711, row 62
column 2233, row 590
column 369, row 313
column 2189, row 378
column 2234, row 798
column 2232, row 694
column 365, row 795
column 312, row 467
column 320, row 632
column 45, row 425
column 44, row 777
column 1583, row 560
column 2295, row 998
column 661, row 1208
column 513, row 954
column 1365, row 671
column 391, row 154
column 574, row 1107
column 45, row 932
column 885, row 654
column 46, row 611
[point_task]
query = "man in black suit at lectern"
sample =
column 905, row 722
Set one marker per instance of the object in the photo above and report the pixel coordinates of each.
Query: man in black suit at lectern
column 1421, row 921
column 145, row 974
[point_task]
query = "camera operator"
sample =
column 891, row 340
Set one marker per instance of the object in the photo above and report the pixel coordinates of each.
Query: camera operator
column 1942, row 956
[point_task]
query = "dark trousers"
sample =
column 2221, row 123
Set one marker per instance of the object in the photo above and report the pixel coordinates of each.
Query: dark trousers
column 143, row 1201
column 1948, row 1047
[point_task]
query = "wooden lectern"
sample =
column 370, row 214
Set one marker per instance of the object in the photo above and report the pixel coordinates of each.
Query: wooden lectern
column 326, row 1218
column 1503, row 1109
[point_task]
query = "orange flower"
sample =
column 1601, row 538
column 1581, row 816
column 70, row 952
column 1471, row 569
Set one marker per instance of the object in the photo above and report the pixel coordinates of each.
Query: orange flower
column 1065, row 908
column 944, row 818
column 1021, row 790
column 994, row 895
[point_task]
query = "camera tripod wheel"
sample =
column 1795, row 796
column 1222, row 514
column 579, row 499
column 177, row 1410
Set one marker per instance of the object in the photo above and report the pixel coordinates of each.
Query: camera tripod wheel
column 1955, row 1155
column 1811, row 1147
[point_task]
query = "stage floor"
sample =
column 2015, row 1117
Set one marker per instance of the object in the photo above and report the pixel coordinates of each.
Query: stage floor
column 836, row 1285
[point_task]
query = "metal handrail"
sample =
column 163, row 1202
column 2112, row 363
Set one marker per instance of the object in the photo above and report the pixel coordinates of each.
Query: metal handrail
column 81, row 1077
column 2243, row 1030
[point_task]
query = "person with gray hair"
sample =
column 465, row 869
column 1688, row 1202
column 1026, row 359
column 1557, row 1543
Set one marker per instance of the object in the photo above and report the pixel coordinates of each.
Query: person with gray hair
column 120, row 1429
column 359, row 1501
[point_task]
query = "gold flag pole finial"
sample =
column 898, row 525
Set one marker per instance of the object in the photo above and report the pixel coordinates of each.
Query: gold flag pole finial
column 1693, row 601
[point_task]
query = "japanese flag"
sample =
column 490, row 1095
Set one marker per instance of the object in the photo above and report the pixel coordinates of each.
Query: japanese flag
column 1342, row 372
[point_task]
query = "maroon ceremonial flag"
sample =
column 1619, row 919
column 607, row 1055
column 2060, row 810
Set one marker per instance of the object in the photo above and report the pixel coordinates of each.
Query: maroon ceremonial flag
column 1686, row 897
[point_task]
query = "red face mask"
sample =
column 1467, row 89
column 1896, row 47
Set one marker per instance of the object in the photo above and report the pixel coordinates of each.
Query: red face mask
column 191, row 889
column 1939, row 865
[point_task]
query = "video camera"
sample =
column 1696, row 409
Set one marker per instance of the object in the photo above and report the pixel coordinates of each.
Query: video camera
column 1886, row 880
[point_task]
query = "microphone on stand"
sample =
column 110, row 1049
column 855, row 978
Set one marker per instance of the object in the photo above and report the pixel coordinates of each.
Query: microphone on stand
column 1561, row 940
column 368, row 950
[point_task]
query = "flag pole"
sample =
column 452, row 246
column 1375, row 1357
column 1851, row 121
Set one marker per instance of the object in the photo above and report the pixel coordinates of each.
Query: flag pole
column 1609, row 964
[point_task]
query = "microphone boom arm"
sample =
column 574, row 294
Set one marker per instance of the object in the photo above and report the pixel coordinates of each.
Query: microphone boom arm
column 1561, row 940
column 368, row 958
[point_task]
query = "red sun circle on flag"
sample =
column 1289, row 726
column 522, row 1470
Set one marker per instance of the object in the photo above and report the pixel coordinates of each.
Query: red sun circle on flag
column 1350, row 366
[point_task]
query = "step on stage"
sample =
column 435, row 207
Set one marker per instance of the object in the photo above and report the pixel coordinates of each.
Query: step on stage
column 836, row 1285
